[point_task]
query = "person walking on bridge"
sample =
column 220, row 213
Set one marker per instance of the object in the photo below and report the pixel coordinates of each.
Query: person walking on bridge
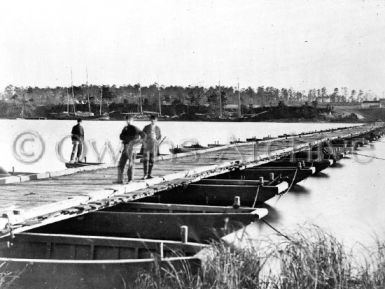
column 77, row 137
column 130, row 136
column 150, row 146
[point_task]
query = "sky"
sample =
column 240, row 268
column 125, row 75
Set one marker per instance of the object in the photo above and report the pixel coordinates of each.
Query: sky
column 297, row 43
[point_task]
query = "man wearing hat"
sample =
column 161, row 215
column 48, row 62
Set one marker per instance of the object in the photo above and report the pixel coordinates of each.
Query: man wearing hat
column 130, row 136
column 150, row 146
column 77, row 137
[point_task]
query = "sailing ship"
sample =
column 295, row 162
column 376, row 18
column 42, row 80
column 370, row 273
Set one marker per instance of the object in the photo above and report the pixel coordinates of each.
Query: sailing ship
column 84, row 114
column 105, row 115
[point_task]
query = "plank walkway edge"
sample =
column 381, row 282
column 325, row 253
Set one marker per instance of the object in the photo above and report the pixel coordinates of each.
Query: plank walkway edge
column 14, row 179
column 14, row 221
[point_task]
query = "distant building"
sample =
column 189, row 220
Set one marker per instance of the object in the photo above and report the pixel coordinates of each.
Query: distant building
column 231, row 106
column 371, row 104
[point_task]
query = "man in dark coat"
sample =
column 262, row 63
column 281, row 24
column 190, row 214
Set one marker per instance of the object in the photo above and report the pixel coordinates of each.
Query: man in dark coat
column 130, row 136
column 77, row 137
column 150, row 146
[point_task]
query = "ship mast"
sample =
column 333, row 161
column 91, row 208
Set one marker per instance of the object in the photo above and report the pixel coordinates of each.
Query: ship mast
column 101, row 100
column 239, row 102
column 73, row 94
column 159, row 101
column 220, row 101
column 140, row 100
column 88, row 93
column 68, row 102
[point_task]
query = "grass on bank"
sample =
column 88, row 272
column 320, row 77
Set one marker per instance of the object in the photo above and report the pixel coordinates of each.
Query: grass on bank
column 6, row 277
column 310, row 258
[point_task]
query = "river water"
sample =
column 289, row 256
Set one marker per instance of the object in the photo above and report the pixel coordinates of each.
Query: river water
column 346, row 200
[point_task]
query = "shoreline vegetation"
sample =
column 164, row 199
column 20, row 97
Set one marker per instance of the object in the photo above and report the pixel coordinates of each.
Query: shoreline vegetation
column 308, row 258
column 180, row 112
column 191, row 103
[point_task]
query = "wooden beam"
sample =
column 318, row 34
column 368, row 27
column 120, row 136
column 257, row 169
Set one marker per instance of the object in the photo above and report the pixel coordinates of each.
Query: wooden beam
column 176, row 208
column 286, row 162
column 231, row 182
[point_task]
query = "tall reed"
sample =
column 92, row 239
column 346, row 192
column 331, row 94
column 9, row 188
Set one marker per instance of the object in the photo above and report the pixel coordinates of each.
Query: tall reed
column 309, row 258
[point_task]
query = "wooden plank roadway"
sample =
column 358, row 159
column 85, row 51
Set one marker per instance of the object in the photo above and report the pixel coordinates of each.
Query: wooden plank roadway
column 25, row 202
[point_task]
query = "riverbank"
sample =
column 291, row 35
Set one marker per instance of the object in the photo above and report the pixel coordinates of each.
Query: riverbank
column 310, row 258
column 280, row 113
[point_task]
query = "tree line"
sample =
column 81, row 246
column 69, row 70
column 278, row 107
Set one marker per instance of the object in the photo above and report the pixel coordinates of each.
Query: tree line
column 213, row 97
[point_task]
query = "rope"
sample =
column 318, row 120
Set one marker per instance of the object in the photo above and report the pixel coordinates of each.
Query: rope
column 276, row 230
column 292, row 182
column 273, row 181
column 256, row 197
column 258, row 189
column 290, row 186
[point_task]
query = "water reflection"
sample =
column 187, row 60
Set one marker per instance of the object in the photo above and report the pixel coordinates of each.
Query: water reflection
column 337, row 165
column 299, row 190
column 321, row 175
column 273, row 215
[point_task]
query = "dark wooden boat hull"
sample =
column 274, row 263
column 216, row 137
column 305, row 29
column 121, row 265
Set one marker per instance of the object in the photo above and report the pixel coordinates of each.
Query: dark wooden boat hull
column 294, row 174
column 143, row 207
column 202, row 227
column 330, row 153
column 87, row 247
column 97, row 275
column 319, row 165
column 69, row 261
column 286, row 173
column 220, row 195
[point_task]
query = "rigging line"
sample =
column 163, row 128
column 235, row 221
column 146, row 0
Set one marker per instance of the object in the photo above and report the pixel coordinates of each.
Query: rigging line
column 258, row 189
column 273, row 181
column 276, row 230
column 292, row 181
column 290, row 186
column 368, row 156
column 256, row 197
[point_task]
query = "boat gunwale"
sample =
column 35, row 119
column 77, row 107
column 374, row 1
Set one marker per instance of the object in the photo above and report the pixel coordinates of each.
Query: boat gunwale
column 195, row 214
column 195, row 208
column 31, row 235
column 96, row 262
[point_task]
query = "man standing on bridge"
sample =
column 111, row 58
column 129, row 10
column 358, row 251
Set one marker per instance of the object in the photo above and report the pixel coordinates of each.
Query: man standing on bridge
column 130, row 136
column 150, row 146
column 77, row 137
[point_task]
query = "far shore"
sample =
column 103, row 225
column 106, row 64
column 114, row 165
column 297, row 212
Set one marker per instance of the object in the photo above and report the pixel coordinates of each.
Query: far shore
column 278, row 113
